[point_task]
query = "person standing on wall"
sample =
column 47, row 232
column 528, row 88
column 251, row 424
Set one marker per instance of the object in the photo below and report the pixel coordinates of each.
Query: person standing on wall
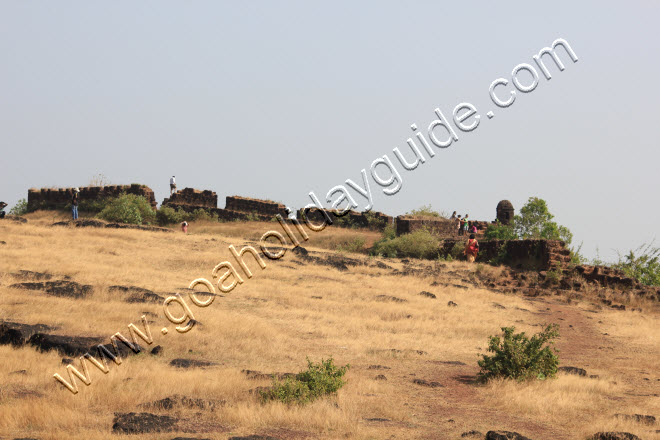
column 172, row 185
column 460, row 225
column 466, row 224
column 471, row 249
column 74, row 203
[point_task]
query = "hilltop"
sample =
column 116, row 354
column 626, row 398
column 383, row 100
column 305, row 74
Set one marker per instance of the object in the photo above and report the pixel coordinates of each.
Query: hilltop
column 411, row 330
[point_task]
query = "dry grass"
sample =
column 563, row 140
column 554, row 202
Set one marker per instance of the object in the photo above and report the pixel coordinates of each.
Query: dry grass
column 273, row 322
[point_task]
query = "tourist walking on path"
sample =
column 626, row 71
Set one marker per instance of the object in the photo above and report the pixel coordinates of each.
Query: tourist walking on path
column 471, row 249
column 184, row 227
column 74, row 203
column 172, row 186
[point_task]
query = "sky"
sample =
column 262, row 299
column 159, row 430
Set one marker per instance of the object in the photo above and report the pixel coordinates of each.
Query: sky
column 275, row 100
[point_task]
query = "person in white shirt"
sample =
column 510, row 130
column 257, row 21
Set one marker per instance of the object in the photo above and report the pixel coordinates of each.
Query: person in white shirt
column 172, row 186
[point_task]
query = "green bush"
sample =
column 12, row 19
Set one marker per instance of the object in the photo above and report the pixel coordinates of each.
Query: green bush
column 418, row 244
column 129, row 208
column 355, row 245
column 519, row 357
column 20, row 208
column 373, row 222
column 643, row 264
column 168, row 216
column 201, row 214
column 319, row 380
column 499, row 231
column 424, row 211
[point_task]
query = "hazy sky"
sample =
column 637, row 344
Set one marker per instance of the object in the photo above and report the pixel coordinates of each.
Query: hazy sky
column 277, row 99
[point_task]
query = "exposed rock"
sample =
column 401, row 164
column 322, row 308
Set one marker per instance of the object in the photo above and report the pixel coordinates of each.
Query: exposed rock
column 67, row 345
column 190, row 363
column 191, row 438
column 426, row 383
column 427, row 294
column 62, row 288
column 377, row 419
column 472, row 433
column 614, row 436
column 157, row 350
column 34, row 276
column 380, row 377
column 504, row 435
column 139, row 423
column 252, row 374
column 17, row 334
column 381, row 265
column 637, row 418
column 389, row 298
column 573, row 370
column 378, row 367
column 179, row 401
column 300, row 251
column 254, row 437
column 498, row 306
column 452, row 304
column 19, row 372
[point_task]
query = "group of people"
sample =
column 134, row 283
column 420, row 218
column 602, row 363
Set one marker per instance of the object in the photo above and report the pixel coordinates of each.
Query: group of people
column 464, row 227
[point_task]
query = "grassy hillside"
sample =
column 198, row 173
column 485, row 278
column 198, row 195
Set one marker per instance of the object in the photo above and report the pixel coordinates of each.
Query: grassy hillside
column 294, row 309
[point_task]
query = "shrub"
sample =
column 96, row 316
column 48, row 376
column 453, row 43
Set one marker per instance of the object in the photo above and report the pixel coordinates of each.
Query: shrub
column 643, row 264
column 418, row 244
column 129, row 208
column 355, row 245
column 168, row 216
column 201, row 214
column 519, row 357
column 499, row 231
column 373, row 222
column 319, row 380
column 20, row 208
column 424, row 211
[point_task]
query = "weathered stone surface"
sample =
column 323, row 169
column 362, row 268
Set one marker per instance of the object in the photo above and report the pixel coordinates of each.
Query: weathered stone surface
column 427, row 294
column 426, row 383
column 193, row 197
column 504, row 212
column 472, row 433
column 31, row 275
column 637, row 418
column 614, row 436
column 573, row 370
column 264, row 207
column 140, row 423
column 253, row 437
column 17, row 334
column 504, row 435
column 48, row 198
column 190, row 363
column 390, row 298
column 439, row 226
column 63, row 288
column 179, row 401
column 137, row 294
column 67, row 345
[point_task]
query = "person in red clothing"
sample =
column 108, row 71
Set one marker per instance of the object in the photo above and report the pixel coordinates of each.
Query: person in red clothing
column 184, row 227
column 471, row 249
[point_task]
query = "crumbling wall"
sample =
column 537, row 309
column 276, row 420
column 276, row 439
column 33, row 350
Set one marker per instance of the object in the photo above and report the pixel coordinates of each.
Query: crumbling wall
column 523, row 254
column 369, row 220
column 193, row 197
column 436, row 225
column 59, row 198
column 257, row 206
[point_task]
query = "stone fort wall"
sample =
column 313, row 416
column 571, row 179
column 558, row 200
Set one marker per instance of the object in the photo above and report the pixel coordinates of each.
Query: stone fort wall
column 58, row 198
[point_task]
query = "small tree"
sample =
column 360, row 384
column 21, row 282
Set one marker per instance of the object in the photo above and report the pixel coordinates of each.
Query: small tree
column 20, row 208
column 535, row 221
column 519, row 357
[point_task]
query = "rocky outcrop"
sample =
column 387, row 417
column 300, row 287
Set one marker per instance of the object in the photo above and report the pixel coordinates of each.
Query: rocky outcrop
column 140, row 423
